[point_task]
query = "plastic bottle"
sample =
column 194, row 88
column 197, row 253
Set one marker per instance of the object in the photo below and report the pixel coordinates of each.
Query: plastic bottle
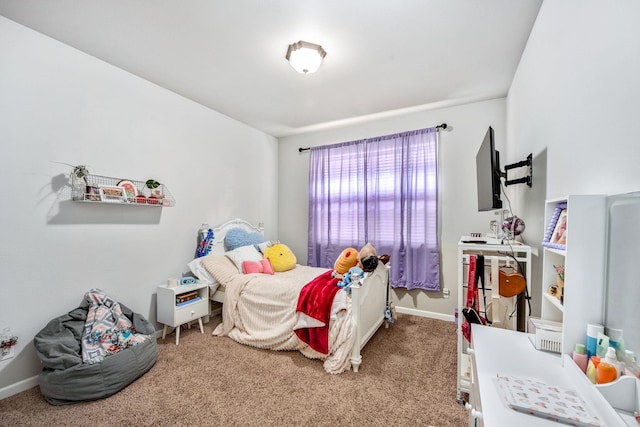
column 592, row 338
column 615, row 337
column 580, row 357
column 608, row 369
column 631, row 364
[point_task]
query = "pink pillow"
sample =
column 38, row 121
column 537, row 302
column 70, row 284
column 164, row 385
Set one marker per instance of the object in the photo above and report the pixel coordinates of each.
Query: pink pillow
column 263, row 266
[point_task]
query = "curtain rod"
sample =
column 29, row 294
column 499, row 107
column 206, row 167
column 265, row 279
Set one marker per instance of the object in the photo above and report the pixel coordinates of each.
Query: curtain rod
column 442, row 126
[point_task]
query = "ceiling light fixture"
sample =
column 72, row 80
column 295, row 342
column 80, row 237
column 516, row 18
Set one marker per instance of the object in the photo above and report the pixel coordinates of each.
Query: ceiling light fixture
column 305, row 57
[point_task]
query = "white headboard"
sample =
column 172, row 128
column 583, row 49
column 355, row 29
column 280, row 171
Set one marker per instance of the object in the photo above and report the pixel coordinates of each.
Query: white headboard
column 220, row 232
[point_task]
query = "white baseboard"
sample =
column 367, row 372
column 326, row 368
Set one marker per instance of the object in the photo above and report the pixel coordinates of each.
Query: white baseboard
column 423, row 313
column 18, row 387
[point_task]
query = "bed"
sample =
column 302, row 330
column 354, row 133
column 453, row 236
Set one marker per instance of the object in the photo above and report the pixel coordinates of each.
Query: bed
column 260, row 309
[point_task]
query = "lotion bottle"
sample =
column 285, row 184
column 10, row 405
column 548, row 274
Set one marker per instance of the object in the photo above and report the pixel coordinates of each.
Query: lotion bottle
column 610, row 359
column 580, row 357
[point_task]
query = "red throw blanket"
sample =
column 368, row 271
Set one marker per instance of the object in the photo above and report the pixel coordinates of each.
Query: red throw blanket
column 315, row 300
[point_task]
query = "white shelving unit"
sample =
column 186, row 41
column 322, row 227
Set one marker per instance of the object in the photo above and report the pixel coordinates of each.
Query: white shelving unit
column 522, row 254
column 584, row 258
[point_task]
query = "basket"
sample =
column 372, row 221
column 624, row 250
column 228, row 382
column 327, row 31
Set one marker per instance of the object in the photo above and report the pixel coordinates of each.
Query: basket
column 545, row 334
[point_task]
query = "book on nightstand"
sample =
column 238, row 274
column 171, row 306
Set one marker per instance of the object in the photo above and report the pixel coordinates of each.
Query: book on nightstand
column 546, row 401
column 187, row 296
column 190, row 301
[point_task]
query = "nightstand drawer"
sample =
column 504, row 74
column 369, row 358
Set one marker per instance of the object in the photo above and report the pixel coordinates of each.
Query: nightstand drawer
column 191, row 312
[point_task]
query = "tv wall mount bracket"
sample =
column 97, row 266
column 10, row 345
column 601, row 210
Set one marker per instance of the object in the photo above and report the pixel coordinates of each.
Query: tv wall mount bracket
column 524, row 180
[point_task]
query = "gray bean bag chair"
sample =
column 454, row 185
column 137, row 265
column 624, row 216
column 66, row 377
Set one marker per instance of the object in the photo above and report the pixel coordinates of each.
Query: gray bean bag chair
column 65, row 379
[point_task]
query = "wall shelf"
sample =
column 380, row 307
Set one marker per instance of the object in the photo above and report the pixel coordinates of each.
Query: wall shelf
column 100, row 189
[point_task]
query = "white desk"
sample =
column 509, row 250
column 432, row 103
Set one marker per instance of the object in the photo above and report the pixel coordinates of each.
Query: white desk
column 501, row 351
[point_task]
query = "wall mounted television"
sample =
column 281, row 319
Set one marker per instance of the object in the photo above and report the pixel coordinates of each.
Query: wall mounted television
column 488, row 174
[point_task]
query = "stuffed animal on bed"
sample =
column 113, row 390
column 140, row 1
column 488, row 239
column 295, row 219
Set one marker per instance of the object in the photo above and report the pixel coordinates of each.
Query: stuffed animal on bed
column 353, row 275
column 348, row 258
column 282, row 258
column 367, row 258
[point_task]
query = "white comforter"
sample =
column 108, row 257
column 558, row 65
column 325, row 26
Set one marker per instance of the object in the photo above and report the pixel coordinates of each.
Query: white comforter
column 260, row 310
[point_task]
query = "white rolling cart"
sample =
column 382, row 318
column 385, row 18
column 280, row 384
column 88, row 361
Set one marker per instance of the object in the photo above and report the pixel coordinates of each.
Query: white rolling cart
column 494, row 248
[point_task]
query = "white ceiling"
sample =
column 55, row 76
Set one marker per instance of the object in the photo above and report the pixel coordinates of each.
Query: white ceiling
column 383, row 56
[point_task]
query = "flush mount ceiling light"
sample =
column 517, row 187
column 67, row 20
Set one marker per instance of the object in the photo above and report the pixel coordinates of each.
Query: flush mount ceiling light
column 305, row 57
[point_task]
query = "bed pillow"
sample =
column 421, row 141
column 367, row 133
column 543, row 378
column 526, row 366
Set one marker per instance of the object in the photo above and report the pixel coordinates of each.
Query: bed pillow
column 263, row 266
column 221, row 268
column 198, row 269
column 238, row 237
column 264, row 245
column 242, row 254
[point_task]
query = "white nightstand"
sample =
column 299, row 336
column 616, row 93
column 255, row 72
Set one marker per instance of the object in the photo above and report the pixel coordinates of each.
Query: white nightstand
column 173, row 314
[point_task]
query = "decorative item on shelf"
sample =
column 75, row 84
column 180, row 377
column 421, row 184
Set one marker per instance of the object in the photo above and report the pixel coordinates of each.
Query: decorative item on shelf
column 557, row 290
column 113, row 194
column 130, row 190
column 556, row 234
column 156, row 196
column 79, row 182
column 513, row 226
column 92, row 193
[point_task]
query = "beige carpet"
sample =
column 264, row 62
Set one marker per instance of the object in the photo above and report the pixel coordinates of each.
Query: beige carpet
column 408, row 378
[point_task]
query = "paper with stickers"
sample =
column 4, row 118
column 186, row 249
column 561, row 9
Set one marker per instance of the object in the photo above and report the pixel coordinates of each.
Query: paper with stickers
column 546, row 401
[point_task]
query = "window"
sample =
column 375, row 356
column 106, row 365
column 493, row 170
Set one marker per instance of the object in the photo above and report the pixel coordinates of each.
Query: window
column 381, row 190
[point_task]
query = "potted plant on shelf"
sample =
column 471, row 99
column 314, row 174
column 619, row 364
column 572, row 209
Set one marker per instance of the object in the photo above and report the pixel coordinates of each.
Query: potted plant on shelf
column 156, row 196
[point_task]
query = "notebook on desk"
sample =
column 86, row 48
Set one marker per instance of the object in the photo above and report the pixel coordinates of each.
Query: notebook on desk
column 546, row 401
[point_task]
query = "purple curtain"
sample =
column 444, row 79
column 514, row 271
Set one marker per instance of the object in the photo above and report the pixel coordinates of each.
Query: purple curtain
column 381, row 190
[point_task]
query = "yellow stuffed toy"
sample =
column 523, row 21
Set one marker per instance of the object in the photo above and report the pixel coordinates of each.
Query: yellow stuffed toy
column 348, row 258
column 281, row 257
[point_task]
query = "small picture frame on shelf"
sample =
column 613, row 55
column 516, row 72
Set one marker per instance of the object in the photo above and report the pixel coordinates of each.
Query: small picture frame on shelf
column 129, row 188
column 92, row 193
column 113, row 194
column 556, row 234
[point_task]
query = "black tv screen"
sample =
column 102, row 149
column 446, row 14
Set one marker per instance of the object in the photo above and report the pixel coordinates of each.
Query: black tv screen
column 488, row 174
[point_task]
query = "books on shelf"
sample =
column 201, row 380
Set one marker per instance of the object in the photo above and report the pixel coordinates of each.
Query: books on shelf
column 191, row 301
column 546, row 401
column 187, row 296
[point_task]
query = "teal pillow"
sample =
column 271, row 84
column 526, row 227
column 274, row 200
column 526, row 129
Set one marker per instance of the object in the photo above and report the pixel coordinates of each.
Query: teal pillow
column 238, row 237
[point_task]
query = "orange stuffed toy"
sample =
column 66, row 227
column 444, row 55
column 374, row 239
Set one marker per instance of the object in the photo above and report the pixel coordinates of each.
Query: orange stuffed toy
column 348, row 258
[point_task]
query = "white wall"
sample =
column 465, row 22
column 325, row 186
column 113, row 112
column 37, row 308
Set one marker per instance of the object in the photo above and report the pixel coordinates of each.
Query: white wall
column 575, row 104
column 58, row 105
column 467, row 125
